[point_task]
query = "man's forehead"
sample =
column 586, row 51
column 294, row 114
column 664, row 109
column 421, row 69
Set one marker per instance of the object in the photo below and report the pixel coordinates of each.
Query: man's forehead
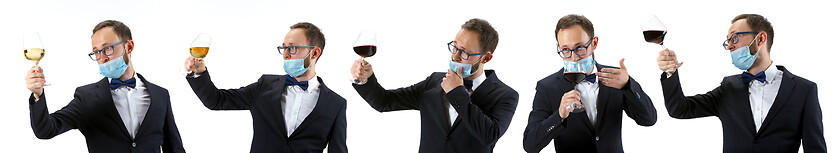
column 295, row 36
column 739, row 26
column 571, row 35
column 466, row 37
column 104, row 36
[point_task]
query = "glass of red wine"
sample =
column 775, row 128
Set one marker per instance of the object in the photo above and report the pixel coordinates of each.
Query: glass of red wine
column 654, row 32
column 365, row 46
column 574, row 75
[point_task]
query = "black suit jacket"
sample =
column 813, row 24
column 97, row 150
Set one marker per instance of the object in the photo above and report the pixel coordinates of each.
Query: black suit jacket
column 483, row 116
column 326, row 124
column 794, row 116
column 93, row 112
column 576, row 133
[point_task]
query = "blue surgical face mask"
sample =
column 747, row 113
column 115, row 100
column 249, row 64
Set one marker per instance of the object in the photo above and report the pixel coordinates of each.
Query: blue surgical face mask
column 466, row 70
column 114, row 68
column 294, row 67
column 582, row 65
column 741, row 57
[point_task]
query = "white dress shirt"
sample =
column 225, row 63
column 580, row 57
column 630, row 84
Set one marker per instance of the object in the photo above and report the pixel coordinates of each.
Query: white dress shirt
column 762, row 95
column 589, row 96
column 476, row 82
column 132, row 104
column 298, row 104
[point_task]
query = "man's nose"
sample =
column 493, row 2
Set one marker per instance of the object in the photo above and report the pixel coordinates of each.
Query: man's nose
column 104, row 59
column 575, row 57
column 455, row 57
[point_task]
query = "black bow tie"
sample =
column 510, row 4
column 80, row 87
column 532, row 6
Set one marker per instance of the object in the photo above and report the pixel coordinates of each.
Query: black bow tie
column 747, row 77
column 116, row 83
column 591, row 78
column 468, row 84
column 290, row 81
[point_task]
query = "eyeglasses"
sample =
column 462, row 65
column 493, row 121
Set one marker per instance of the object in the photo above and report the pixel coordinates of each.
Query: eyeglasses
column 290, row 49
column 108, row 51
column 462, row 53
column 580, row 50
column 735, row 38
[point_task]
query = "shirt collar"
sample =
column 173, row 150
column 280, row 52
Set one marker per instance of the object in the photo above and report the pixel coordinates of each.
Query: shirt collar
column 772, row 73
column 477, row 81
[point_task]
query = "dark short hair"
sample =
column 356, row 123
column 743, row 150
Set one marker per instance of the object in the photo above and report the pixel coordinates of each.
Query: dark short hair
column 313, row 34
column 758, row 23
column 572, row 20
column 121, row 29
column 488, row 37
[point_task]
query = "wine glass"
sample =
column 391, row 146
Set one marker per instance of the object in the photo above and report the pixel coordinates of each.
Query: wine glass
column 574, row 75
column 33, row 49
column 654, row 32
column 198, row 49
column 365, row 46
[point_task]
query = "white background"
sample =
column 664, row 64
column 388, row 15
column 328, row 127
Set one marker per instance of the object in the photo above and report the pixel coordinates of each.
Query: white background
column 411, row 39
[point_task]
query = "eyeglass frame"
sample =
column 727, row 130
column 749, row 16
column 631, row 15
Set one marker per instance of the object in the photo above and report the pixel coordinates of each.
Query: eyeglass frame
column 736, row 38
column 104, row 51
column 585, row 49
column 283, row 49
column 461, row 52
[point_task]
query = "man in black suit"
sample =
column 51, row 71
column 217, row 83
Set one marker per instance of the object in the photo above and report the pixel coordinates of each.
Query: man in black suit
column 120, row 113
column 765, row 109
column 466, row 109
column 292, row 113
column 598, row 127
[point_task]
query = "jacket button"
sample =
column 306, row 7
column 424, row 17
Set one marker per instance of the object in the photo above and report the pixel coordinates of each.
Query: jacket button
column 133, row 144
column 597, row 138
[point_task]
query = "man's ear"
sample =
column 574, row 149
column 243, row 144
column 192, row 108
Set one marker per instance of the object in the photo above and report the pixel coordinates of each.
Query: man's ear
column 594, row 42
column 316, row 53
column 487, row 57
column 762, row 37
column 129, row 46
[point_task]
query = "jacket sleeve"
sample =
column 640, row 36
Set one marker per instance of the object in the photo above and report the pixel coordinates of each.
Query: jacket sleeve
column 681, row 107
column 637, row 104
column 488, row 126
column 223, row 99
column 544, row 122
column 47, row 126
column 338, row 133
column 813, row 139
column 391, row 100
column 171, row 136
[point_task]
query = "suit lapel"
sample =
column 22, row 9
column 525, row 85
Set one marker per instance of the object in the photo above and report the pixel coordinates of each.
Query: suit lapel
column 320, row 106
column 603, row 95
column 741, row 92
column 785, row 90
column 104, row 95
column 281, row 83
column 155, row 98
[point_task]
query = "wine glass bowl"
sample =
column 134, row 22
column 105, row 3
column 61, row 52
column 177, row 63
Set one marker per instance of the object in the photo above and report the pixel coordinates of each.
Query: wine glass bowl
column 365, row 46
column 654, row 32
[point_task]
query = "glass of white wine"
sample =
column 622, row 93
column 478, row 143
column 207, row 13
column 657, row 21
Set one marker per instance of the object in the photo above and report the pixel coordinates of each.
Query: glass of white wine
column 198, row 49
column 33, row 49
